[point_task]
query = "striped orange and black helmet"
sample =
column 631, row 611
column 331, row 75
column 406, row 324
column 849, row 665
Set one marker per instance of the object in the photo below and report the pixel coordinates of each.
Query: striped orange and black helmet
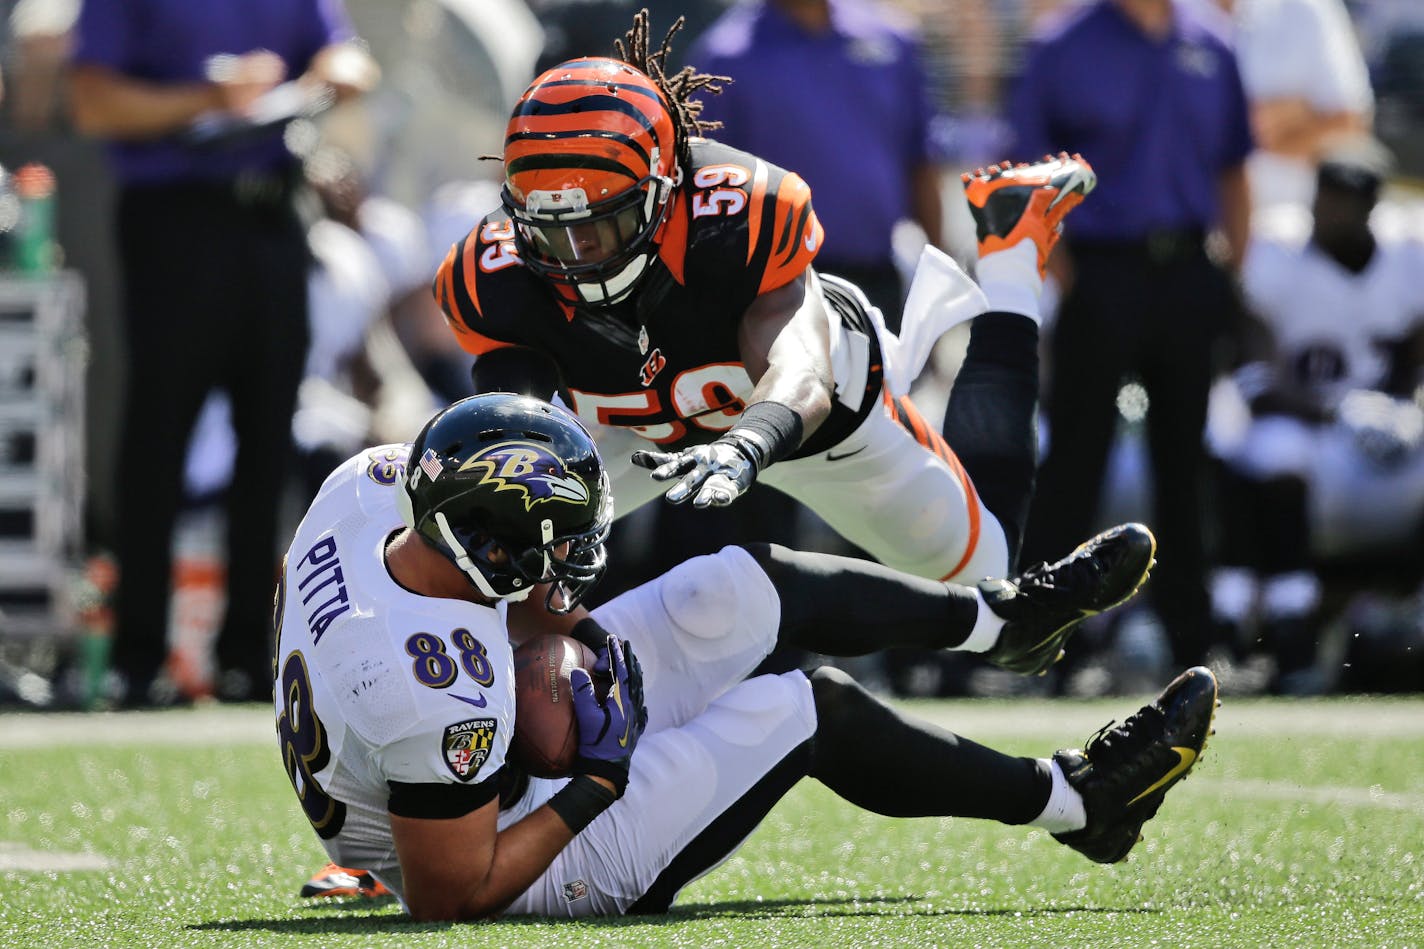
column 589, row 159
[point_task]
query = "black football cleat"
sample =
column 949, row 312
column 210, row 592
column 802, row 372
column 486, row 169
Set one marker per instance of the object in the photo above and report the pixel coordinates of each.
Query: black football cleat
column 1045, row 603
column 1127, row 769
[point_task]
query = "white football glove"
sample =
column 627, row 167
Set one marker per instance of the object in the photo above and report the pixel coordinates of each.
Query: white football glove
column 719, row 473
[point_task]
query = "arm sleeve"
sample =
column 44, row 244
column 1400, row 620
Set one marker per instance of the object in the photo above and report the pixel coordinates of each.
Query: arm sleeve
column 1341, row 79
column 516, row 369
column 1305, row 49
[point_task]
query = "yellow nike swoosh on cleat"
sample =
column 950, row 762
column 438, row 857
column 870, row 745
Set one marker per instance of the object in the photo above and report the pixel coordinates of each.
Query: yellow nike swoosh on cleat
column 1187, row 757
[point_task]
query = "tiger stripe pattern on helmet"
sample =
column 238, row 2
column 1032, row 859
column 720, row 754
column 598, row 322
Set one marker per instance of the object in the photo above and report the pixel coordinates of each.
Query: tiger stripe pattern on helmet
column 596, row 124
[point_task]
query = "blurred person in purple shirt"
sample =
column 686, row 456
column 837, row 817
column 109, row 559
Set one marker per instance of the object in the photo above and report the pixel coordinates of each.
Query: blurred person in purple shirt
column 1150, row 93
column 836, row 90
column 214, row 262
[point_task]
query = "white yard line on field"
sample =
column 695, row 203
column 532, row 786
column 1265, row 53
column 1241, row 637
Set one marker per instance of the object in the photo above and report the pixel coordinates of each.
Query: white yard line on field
column 16, row 857
column 1073, row 721
column 1283, row 791
column 206, row 725
column 1060, row 722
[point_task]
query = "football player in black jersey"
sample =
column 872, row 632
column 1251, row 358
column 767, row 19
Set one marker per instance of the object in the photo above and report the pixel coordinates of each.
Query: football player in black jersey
column 661, row 282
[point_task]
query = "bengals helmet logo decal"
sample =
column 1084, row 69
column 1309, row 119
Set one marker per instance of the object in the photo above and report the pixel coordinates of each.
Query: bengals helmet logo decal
column 529, row 468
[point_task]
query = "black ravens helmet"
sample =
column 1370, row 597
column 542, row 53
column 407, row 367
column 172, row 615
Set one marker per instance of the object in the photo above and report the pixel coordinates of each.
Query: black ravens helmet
column 513, row 491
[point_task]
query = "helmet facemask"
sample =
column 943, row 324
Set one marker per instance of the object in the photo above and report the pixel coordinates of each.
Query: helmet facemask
column 513, row 492
column 600, row 249
column 571, row 564
column 590, row 166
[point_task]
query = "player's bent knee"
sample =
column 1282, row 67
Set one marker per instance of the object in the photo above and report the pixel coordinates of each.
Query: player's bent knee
column 721, row 603
column 846, row 717
column 835, row 693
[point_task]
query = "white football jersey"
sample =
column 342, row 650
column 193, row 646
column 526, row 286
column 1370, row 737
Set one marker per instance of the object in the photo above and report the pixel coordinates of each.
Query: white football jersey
column 1329, row 323
column 374, row 683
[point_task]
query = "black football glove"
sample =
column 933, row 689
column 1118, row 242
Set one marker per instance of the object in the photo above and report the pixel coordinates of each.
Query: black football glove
column 609, row 730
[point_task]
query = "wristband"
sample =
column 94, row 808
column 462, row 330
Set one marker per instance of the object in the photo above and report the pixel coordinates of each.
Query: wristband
column 580, row 801
column 767, row 432
column 590, row 633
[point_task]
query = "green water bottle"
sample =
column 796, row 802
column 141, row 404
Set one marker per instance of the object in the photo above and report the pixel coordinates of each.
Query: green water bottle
column 35, row 249
column 93, row 602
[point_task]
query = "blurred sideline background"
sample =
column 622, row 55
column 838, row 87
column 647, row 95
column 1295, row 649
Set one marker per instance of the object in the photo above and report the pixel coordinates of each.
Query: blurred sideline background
column 410, row 153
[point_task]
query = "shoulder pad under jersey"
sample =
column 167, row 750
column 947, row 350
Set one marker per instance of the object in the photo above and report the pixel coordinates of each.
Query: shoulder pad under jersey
column 484, row 289
column 739, row 214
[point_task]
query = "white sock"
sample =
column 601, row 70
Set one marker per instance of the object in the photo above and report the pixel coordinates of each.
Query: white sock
column 986, row 628
column 1010, row 279
column 1064, row 810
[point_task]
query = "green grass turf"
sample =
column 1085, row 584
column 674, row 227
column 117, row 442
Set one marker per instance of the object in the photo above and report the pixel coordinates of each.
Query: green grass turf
column 1303, row 826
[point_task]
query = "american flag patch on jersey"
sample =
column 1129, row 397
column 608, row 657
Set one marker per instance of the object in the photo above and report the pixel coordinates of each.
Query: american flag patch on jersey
column 430, row 464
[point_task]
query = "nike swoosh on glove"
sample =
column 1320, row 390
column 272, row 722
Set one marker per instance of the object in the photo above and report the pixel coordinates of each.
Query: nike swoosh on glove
column 609, row 730
column 718, row 473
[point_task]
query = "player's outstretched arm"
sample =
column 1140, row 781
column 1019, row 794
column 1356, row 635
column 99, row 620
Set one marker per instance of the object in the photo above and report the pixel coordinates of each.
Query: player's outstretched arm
column 463, row 867
column 785, row 345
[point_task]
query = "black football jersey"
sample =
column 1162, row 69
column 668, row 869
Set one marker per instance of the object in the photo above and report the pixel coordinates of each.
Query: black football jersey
column 664, row 363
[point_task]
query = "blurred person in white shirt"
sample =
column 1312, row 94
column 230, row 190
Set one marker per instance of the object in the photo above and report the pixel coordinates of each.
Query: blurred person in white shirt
column 1321, row 435
column 1306, row 78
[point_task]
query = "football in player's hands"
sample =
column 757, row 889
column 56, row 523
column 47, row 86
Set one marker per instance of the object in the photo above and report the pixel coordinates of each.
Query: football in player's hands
column 545, row 730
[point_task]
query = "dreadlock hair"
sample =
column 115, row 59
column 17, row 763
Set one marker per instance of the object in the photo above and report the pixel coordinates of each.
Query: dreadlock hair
column 677, row 88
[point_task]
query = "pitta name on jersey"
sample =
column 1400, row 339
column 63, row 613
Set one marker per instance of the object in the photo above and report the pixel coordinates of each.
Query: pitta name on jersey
column 322, row 586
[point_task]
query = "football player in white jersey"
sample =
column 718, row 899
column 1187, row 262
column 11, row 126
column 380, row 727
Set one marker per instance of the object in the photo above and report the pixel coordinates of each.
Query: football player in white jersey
column 417, row 566
column 1328, row 460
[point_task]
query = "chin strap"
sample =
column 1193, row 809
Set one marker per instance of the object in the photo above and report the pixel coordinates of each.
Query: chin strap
column 463, row 561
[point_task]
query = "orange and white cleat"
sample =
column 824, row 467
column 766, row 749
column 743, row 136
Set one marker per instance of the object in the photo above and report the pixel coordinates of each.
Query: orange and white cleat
column 1026, row 201
column 332, row 880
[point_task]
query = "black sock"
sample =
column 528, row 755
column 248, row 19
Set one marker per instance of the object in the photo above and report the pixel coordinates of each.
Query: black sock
column 843, row 606
column 891, row 764
column 992, row 418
